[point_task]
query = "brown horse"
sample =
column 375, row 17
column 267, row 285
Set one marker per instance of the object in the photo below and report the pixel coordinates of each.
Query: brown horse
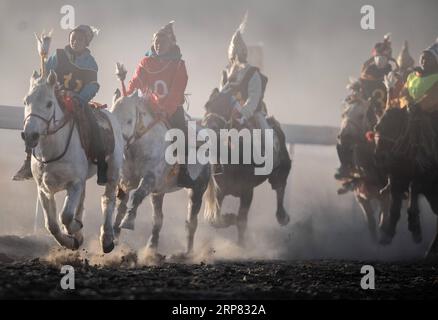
column 239, row 180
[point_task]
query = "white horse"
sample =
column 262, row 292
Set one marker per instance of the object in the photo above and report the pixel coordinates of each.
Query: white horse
column 146, row 171
column 59, row 163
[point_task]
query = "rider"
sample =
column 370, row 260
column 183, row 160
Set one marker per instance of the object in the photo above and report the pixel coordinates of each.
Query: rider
column 421, row 88
column 76, row 70
column 162, row 78
column 420, row 96
column 372, row 89
column 246, row 82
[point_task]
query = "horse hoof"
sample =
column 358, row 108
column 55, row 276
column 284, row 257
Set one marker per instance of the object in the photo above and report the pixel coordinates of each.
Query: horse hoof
column 385, row 239
column 282, row 217
column 108, row 248
column 153, row 257
column 76, row 244
column 181, row 257
column 127, row 223
column 79, row 238
column 74, row 226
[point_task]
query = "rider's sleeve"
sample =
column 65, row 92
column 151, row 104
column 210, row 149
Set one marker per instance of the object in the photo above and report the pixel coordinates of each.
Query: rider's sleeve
column 429, row 102
column 90, row 89
column 175, row 96
column 254, row 96
column 138, row 80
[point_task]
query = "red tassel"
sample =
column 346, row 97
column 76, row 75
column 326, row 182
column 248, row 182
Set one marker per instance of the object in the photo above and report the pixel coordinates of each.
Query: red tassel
column 69, row 103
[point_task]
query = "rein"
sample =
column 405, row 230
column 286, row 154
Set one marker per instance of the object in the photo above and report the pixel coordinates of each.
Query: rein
column 63, row 122
column 56, row 128
column 62, row 154
column 140, row 130
column 216, row 116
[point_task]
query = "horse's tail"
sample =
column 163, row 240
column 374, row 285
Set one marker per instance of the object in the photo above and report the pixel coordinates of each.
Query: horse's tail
column 211, row 209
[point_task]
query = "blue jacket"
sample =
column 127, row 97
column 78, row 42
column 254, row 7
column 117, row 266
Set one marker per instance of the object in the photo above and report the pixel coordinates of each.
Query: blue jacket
column 84, row 60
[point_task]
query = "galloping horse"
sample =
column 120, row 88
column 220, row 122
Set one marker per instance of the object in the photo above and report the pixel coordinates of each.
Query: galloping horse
column 358, row 119
column 392, row 137
column 391, row 133
column 60, row 163
column 146, row 170
column 240, row 180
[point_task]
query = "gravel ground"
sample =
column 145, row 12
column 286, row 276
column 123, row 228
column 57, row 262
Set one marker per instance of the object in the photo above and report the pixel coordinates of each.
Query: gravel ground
column 319, row 279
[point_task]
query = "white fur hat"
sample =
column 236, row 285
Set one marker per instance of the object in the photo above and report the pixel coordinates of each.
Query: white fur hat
column 237, row 49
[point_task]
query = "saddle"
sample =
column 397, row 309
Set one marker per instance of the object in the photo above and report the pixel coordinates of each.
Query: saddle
column 94, row 127
column 95, row 131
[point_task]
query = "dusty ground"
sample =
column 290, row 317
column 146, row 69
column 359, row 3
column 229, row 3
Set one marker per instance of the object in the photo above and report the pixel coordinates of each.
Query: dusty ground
column 126, row 278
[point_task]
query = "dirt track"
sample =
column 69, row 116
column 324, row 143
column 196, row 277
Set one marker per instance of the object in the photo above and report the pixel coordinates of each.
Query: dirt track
column 323, row 279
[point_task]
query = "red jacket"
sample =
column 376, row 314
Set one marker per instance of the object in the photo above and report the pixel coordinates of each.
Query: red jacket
column 167, row 79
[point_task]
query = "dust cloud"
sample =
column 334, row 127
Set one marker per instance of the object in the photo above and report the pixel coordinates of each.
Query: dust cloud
column 310, row 50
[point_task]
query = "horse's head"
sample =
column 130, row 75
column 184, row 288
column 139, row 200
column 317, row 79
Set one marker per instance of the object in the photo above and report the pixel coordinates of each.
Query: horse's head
column 356, row 120
column 388, row 131
column 218, row 110
column 39, row 111
column 394, row 84
column 126, row 109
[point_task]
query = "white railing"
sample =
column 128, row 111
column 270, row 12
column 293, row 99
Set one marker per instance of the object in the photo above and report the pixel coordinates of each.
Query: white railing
column 12, row 118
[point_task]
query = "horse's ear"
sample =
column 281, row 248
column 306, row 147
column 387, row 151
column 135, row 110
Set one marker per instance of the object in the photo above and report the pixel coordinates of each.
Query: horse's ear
column 35, row 75
column 52, row 78
column 117, row 95
column 214, row 92
column 135, row 93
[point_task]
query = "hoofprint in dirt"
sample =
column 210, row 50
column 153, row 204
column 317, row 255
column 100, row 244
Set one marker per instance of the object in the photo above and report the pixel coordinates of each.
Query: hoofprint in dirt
column 317, row 279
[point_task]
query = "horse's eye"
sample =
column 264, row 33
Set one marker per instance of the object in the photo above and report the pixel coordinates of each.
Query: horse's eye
column 49, row 104
column 130, row 121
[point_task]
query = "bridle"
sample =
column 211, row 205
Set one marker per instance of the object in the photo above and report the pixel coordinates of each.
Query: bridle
column 62, row 123
column 140, row 130
column 210, row 115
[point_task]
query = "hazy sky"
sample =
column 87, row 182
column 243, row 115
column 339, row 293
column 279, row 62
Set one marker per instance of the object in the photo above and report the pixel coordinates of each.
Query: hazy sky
column 310, row 47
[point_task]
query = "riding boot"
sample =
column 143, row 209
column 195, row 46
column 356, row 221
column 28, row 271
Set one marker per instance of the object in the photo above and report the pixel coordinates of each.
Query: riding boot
column 98, row 150
column 25, row 171
column 177, row 120
column 102, row 168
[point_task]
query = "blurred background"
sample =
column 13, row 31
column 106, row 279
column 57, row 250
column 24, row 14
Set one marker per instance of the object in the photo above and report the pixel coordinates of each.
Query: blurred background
column 310, row 49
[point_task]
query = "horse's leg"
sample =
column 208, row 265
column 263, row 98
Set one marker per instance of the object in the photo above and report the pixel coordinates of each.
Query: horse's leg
column 49, row 207
column 78, row 220
column 385, row 204
column 108, row 203
column 71, row 204
column 278, row 181
column 368, row 213
column 157, row 217
column 432, row 198
column 227, row 219
column 146, row 183
column 388, row 227
column 195, row 202
column 242, row 218
column 281, row 214
column 121, row 204
column 414, row 224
